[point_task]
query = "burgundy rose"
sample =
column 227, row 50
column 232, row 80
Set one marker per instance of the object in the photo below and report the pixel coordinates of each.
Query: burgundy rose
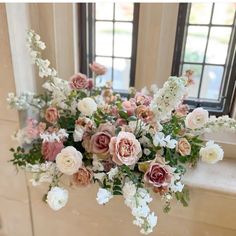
column 50, row 150
column 79, row 81
column 51, row 115
column 158, row 175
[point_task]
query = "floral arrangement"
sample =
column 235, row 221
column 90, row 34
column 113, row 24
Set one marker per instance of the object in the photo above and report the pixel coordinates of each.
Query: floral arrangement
column 129, row 146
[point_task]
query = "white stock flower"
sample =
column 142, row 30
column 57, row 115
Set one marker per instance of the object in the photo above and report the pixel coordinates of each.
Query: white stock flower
column 129, row 190
column 69, row 160
column 97, row 165
column 57, row 198
column 87, row 106
column 197, row 118
column 103, row 196
column 78, row 134
column 212, row 153
column 99, row 176
column 112, row 173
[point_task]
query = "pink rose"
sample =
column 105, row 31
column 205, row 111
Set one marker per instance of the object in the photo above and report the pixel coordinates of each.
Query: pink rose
column 79, row 81
column 51, row 115
column 158, row 175
column 142, row 99
column 197, row 118
column 144, row 113
column 83, row 177
column 183, row 147
column 41, row 127
column 129, row 106
column 100, row 141
column 125, row 149
column 90, row 83
column 182, row 110
column 97, row 68
column 50, row 150
column 121, row 122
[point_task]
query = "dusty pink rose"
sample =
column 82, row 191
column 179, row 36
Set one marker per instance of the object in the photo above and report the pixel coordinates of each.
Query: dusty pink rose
column 197, row 118
column 50, row 150
column 129, row 106
column 158, row 175
column 41, row 127
column 90, row 83
column 97, row 68
column 125, row 149
column 183, row 147
column 83, row 177
column 51, row 115
column 79, row 81
column 182, row 110
column 144, row 113
column 142, row 99
column 99, row 143
column 121, row 122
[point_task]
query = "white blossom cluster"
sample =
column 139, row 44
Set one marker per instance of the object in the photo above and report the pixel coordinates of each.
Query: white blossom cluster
column 220, row 123
column 25, row 101
column 54, row 136
column 41, row 173
column 103, row 196
column 164, row 141
column 138, row 199
column 169, row 97
column 176, row 185
column 35, row 46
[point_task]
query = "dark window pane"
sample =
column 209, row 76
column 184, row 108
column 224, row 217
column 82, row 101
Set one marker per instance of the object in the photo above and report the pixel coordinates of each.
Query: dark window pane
column 223, row 13
column 124, row 11
column 200, row 13
column 211, row 82
column 193, row 89
column 196, row 43
column 121, row 74
column 107, row 62
column 104, row 38
column 218, row 45
column 123, row 39
column 104, row 11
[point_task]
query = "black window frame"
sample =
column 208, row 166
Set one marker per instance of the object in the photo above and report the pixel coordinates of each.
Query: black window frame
column 87, row 39
column 225, row 104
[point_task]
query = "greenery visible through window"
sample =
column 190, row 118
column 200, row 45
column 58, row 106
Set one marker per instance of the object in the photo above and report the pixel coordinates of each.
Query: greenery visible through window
column 112, row 42
column 207, row 48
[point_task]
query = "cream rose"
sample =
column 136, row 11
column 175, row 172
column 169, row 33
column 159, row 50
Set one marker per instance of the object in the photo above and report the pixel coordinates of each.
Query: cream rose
column 197, row 118
column 87, row 106
column 212, row 153
column 57, row 198
column 125, row 149
column 183, row 147
column 69, row 160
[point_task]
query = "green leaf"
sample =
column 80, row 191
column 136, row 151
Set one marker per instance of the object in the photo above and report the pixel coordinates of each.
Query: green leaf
column 123, row 114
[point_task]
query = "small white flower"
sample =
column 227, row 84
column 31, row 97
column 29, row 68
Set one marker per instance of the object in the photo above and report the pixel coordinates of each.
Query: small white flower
column 152, row 220
column 146, row 151
column 129, row 190
column 57, row 198
column 103, row 196
column 159, row 139
column 112, row 173
column 170, row 143
column 99, row 176
column 87, row 106
column 78, row 134
column 212, row 153
column 69, row 160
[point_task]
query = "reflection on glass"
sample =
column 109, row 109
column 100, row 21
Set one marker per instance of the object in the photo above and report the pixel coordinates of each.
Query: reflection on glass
column 193, row 89
column 223, row 13
column 205, row 13
column 104, row 38
column 196, row 43
column 124, row 11
column 107, row 62
column 121, row 74
column 123, row 39
column 211, row 82
column 104, row 7
column 218, row 45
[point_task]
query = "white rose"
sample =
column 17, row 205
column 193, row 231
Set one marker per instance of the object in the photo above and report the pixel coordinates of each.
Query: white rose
column 197, row 118
column 69, row 160
column 87, row 106
column 103, row 196
column 212, row 153
column 57, row 198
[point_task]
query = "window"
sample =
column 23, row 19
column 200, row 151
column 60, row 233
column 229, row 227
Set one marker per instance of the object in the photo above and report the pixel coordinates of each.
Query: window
column 205, row 43
column 111, row 40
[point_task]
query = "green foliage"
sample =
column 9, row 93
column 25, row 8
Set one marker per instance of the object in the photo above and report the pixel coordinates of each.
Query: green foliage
column 21, row 157
column 183, row 197
column 174, row 126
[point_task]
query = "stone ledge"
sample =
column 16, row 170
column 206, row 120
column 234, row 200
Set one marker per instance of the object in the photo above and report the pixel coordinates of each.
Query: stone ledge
column 219, row 177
